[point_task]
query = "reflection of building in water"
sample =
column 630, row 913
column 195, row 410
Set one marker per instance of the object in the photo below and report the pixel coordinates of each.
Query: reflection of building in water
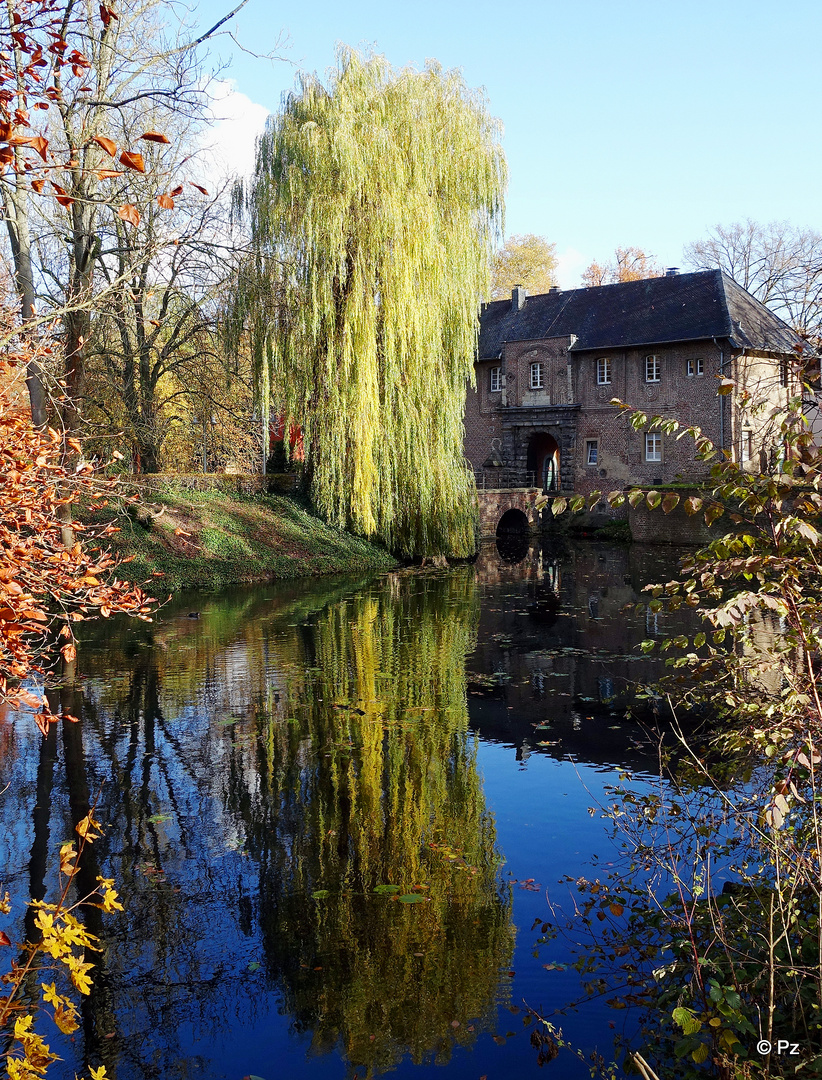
column 558, row 643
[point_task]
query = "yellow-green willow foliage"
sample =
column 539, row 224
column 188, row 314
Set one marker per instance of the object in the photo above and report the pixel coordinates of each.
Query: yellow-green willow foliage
column 373, row 213
column 367, row 777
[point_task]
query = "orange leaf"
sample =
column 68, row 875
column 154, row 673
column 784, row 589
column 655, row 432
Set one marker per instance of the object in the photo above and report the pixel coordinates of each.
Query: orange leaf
column 38, row 185
column 176, row 191
column 107, row 174
column 107, row 14
column 129, row 213
column 154, row 136
column 166, row 202
column 132, row 160
column 202, row 190
column 41, row 719
column 62, row 197
column 4, row 938
column 69, row 652
column 109, row 145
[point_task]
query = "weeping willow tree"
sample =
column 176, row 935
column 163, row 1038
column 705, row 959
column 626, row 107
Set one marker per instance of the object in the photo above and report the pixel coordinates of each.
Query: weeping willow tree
column 373, row 212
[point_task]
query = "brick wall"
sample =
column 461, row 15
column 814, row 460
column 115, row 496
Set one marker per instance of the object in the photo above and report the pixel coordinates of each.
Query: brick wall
column 482, row 425
column 690, row 399
column 575, row 410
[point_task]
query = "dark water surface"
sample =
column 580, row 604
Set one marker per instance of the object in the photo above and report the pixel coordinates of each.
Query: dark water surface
column 333, row 809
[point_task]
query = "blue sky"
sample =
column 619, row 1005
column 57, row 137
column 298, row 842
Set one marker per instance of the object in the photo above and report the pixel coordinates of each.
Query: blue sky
column 626, row 122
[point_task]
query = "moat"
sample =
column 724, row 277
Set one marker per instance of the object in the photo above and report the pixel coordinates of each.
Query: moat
column 334, row 810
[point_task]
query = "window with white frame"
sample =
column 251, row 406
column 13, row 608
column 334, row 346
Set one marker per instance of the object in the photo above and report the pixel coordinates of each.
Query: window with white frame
column 496, row 379
column 696, row 367
column 653, row 369
column 536, row 376
column 603, row 371
column 653, row 446
column 591, row 451
column 746, row 445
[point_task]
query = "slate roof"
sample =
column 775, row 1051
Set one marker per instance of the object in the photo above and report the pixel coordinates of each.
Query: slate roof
column 654, row 311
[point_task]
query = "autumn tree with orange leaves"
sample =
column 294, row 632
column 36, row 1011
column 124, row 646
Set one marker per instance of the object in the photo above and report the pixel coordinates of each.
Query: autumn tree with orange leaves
column 65, row 69
column 628, row 264
column 46, row 587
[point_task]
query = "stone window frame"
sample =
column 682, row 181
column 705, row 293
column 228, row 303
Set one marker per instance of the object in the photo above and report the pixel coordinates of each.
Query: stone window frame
column 654, row 437
column 695, row 367
column 604, row 371
column 653, row 368
column 746, row 445
column 495, row 384
column 589, row 445
column 537, row 381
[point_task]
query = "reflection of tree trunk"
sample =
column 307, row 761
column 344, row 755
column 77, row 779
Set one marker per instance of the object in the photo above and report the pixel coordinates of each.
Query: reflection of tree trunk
column 97, row 1008
column 38, row 863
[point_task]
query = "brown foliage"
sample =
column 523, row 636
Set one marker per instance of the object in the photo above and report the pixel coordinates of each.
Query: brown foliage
column 45, row 587
column 628, row 264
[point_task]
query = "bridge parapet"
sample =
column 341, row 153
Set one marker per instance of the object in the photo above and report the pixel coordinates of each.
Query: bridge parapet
column 494, row 504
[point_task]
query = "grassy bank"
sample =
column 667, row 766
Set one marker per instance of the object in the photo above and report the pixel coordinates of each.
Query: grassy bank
column 206, row 539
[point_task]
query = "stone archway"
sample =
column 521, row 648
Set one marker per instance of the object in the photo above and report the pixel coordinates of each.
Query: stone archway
column 513, row 522
column 543, row 461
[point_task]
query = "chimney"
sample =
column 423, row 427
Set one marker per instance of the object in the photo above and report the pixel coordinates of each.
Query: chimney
column 518, row 295
column 672, row 271
column 554, row 289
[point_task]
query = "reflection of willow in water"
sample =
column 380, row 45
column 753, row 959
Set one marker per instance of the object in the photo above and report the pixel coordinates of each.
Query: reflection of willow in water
column 368, row 778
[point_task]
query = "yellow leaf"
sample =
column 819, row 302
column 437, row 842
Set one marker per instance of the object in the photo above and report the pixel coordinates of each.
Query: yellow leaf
column 66, row 1018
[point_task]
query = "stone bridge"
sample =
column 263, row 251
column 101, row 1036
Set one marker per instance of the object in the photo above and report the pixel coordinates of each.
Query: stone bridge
column 509, row 510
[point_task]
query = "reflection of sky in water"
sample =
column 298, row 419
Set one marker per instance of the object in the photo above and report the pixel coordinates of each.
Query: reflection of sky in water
column 314, row 738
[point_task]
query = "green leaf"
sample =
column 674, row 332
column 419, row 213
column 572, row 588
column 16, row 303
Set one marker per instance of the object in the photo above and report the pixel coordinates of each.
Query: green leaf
column 635, row 497
column 670, row 502
column 686, row 1020
column 700, row 1054
column 320, row 894
column 558, row 506
column 254, row 965
column 653, row 499
column 387, row 890
column 412, row 898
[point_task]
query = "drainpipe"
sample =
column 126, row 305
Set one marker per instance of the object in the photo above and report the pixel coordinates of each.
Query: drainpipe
column 721, row 396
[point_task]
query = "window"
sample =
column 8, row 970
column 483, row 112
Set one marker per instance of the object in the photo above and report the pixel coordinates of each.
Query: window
column 783, row 372
column 536, row 376
column 696, row 367
column 746, row 447
column 496, row 379
column 653, row 446
column 603, row 371
column 653, row 369
column 591, row 451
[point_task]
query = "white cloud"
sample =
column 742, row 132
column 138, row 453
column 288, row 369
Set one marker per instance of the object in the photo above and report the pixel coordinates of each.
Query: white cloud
column 570, row 265
column 228, row 142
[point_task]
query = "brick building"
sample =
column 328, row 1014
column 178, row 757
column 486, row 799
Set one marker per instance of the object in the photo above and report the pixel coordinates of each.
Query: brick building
column 548, row 366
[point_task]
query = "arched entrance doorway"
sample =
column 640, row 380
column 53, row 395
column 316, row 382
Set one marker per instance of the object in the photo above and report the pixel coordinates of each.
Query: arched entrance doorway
column 543, row 461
